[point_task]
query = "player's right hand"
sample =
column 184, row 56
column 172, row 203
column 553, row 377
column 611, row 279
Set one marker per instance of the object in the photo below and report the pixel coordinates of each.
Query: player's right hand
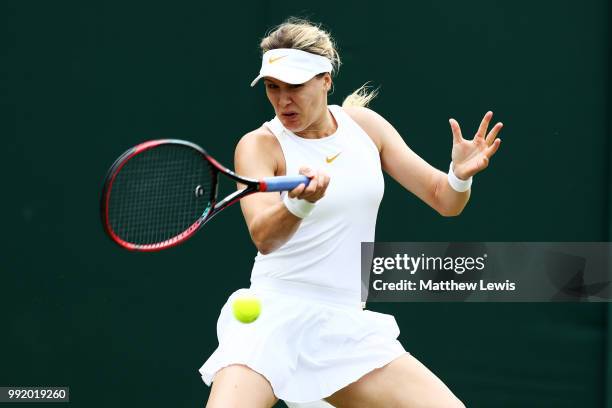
column 315, row 189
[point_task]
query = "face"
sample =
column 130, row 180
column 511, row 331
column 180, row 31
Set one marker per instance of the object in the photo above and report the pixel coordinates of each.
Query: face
column 299, row 107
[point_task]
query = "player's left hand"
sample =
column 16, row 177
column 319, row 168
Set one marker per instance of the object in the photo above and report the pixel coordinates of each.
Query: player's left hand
column 472, row 156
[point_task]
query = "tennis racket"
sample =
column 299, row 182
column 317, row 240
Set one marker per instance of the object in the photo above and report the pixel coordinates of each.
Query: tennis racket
column 160, row 193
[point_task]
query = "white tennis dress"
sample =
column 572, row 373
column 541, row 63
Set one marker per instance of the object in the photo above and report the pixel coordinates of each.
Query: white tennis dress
column 312, row 337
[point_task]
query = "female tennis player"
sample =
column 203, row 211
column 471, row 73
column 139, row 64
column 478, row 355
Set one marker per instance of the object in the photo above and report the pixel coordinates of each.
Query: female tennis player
column 313, row 340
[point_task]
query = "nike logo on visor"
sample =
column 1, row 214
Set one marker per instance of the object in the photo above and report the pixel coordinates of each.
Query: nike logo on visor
column 273, row 60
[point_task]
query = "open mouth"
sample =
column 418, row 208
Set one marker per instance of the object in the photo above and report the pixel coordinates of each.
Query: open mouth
column 289, row 114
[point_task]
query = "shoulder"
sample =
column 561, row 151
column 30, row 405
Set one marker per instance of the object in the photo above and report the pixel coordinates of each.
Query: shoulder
column 262, row 144
column 371, row 122
column 259, row 139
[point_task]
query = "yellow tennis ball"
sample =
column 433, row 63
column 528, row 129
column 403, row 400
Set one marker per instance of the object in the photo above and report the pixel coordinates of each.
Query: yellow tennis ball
column 246, row 309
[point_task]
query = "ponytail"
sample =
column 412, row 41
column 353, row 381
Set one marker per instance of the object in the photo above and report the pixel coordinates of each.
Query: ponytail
column 360, row 97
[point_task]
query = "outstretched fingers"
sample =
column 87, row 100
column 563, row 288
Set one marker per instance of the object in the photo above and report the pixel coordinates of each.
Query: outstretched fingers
column 484, row 125
column 493, row 133
column 490, row 151
column 457, row 138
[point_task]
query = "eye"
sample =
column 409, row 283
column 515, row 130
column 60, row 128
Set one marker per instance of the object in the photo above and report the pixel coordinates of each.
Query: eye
column 296, row 86
column 270, row 85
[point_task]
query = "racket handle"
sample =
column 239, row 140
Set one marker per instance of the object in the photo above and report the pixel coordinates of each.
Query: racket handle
column 282, row 183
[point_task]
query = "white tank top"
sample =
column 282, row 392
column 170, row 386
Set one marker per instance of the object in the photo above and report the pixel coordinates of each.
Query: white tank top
column 326, row 248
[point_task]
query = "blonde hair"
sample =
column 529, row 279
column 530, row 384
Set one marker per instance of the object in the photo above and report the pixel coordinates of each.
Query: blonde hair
column 304, row 35
column 362, row 96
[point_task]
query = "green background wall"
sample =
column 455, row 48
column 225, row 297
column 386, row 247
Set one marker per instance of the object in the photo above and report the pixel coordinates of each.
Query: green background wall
column 82, row 81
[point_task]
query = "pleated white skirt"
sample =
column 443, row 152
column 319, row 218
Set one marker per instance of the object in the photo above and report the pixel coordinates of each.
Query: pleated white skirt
column 308, row 342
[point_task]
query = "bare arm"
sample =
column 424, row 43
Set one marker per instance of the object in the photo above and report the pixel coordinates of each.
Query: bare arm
column 414, row 173
column 269, row 222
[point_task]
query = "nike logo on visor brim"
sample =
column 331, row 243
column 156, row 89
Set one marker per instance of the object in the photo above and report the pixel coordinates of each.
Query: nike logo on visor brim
column 272, row 60
column 292, row 66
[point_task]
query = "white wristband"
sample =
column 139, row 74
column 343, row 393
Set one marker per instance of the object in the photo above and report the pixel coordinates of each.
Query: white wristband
column 456, row 183
column 297, row 207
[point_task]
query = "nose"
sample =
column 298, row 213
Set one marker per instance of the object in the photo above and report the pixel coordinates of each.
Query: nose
column 285, row 98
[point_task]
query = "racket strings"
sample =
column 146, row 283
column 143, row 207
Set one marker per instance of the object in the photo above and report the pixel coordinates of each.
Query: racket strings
column 158, row 194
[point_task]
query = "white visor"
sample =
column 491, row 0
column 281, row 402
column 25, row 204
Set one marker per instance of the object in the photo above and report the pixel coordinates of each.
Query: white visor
column 292, row 66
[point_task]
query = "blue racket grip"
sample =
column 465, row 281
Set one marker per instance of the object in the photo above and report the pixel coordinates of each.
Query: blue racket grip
column 282, row 183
